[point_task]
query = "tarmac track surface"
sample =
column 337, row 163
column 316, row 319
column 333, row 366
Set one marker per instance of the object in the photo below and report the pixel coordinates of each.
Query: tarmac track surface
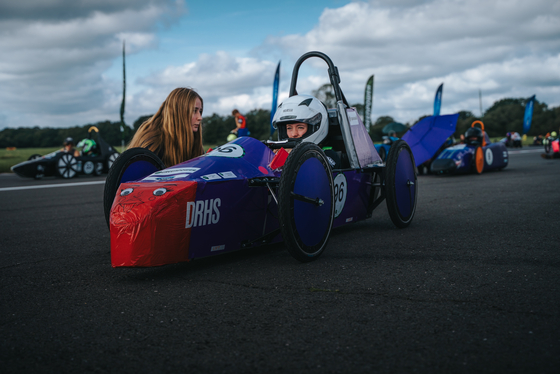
column 471, row 286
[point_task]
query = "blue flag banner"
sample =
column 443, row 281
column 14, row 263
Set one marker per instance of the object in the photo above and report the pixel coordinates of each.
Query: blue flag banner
column 528, row 114
column 437, row 100
column 368, row 102
column 274, row 97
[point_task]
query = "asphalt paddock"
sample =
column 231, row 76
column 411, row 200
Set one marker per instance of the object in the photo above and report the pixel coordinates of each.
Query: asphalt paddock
column 471, row 286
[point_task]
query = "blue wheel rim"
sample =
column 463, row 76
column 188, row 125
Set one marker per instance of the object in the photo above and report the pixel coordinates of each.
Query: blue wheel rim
column 312, row 221
column 404, row 190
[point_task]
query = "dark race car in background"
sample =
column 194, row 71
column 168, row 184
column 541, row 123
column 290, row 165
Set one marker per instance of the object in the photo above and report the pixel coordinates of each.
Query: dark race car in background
column 66, row 165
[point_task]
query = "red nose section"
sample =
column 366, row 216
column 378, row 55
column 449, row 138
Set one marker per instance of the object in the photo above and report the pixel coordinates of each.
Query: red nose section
column 148, row 223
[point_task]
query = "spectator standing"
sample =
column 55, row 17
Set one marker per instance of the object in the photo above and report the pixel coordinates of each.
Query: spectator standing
column 241, row 124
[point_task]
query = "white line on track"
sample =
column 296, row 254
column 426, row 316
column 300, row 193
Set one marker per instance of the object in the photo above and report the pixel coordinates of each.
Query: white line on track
column 49, row 186
column 526, row 151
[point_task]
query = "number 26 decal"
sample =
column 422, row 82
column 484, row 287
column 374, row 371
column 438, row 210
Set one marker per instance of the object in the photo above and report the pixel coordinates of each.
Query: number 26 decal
column 340, row 190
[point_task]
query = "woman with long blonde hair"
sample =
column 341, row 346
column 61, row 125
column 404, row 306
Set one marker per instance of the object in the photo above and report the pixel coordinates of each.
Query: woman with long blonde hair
column 174, row 133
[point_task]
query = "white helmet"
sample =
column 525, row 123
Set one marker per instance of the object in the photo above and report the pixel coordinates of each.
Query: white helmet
column 306, row 109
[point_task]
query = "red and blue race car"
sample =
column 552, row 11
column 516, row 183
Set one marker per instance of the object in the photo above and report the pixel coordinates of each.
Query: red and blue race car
column 248, row 193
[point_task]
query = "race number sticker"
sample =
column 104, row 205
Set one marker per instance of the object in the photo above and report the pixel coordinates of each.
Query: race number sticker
column 489, row 156
column 88, row 167
column 340, row 190
column 211, row 177
column 228, row 150
column 163, row 178
column 227, row 174
column 175, row 171
column 353, row 117
column 171, row 174
column 222, row 175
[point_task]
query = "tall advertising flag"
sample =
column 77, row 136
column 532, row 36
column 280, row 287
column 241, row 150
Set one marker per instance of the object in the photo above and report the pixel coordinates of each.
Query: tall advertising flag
column 274, row 97
column 528, row 114
column 123, row 96
column 368, row 102
column 437, row 100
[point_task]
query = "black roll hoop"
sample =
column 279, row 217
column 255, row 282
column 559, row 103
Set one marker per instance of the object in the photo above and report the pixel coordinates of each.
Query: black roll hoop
column 333, row 75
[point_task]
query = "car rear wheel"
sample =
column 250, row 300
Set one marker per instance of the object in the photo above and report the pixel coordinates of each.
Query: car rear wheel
column 383, row 153
column 133, row 164
column 66, row 166
column 401, row 184
column 306, row 202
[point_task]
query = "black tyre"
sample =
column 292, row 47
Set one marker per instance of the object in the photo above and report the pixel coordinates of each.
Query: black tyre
column 424, row 168
column 306, row 202
column 131, row 165
column 383, row 153
column 547, row 146
column 376, row 191
column 66, row 166
column 34, row 157
column 401, row 184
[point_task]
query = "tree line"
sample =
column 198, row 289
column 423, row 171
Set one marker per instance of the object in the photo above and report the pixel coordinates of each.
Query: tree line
column 503, row 116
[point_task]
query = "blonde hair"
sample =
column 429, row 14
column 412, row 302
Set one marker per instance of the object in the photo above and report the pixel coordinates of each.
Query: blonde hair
column 169, row 131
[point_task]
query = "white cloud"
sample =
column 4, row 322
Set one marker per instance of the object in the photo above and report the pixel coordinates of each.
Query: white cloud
column 54, row 65
column 501, row 47
column 51, row 71
column 224, row 82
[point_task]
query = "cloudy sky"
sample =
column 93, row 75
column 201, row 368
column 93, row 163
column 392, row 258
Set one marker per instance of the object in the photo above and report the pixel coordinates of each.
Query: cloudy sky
column 61, row 61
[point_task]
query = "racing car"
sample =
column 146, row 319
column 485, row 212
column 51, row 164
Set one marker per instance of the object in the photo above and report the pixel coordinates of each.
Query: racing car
column 551, row 143
column 385, row 146
column 476, row 155
column 65, row 165
column 247, row 192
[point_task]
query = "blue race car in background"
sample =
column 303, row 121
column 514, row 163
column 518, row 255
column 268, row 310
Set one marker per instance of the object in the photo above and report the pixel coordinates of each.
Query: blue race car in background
column 478, row 154
column 383, row 148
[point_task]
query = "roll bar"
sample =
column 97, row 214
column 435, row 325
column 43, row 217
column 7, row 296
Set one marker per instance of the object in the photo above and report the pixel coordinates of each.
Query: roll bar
column 333, row 75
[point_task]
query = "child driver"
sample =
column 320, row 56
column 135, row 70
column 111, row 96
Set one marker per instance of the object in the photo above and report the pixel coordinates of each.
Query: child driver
column 296, row 130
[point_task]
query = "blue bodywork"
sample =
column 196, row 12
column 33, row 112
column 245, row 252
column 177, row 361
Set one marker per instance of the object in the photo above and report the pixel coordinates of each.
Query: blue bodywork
column 386, row 145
